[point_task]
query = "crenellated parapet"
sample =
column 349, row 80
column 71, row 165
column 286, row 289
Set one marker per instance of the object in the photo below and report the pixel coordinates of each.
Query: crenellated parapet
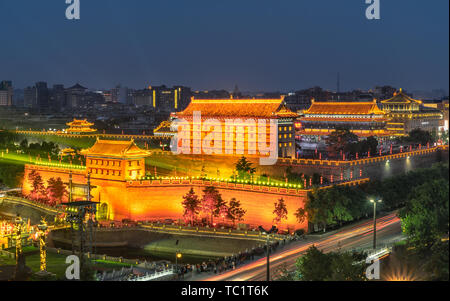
column 362, row 161
column 279, row 188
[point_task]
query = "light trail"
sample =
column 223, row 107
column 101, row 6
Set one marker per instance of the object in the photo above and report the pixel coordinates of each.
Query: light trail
column 363, row 230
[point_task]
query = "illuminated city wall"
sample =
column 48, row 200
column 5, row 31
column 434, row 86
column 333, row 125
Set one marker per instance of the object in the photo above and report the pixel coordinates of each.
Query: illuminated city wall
column 165, row 202
column 159, row 200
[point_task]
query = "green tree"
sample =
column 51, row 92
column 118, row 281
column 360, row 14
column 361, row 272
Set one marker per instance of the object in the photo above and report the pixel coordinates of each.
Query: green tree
column 438, row 264
column 313, row 266
column 338, row 140
column 318, row 266
column 346, row 267
column 301, row 215
column 372, row 144
column 24, row 145
column 317, row 209
column 282, row 273
column 420, row 136
column 425, row 219
column 191, row 205
column 244, row 168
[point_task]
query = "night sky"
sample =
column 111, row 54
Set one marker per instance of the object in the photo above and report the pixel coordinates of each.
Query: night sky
column 260, row 45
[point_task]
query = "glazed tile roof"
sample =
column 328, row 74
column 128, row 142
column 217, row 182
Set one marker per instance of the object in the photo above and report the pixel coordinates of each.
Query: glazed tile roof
column 164, row 128
column 356, row 132
column 115, row 148
column 344, row 108
column 78, row 122
column 322, row 119
column 401, row 98
column 238, row 108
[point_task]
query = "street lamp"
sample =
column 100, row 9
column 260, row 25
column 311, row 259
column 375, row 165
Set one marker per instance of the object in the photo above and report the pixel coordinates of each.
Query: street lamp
column 178, row 255
column 375, row 222
column 272, row 230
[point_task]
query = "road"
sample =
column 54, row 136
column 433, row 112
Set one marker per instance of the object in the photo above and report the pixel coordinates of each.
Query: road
column 359, row 236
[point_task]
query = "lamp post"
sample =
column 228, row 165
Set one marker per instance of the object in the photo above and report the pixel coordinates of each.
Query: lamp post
column 178, row 255
column 375, row 222
column 272, row 230
column 268, row 257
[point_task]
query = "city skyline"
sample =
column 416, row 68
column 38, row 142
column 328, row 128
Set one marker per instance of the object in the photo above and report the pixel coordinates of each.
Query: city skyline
column 259, row 48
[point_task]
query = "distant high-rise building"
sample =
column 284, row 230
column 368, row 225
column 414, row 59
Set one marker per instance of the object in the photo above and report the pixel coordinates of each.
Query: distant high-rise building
column 75, row 95
column 214, row 94
column 142, row 98
column 37, row 97
column 29, row 97
column 6, row 93
column 58, row 98
column 119, row 94
column 169, row 100
column 42, row 96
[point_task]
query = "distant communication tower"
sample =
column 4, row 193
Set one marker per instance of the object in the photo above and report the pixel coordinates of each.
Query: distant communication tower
column 338, row 82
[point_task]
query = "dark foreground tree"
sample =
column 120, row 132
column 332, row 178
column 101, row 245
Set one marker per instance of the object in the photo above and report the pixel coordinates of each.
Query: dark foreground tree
column 235, row 211
column 425, row 219
column 56, row 191
column 318, row 266
column 191, row 205
column 212, row 202
column 244, row 168
column 280, row 211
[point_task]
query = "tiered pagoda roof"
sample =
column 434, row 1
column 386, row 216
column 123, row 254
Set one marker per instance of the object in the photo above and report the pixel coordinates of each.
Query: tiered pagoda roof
column 79, row 123
column 401, row 98
column 164, row 129
column 344, row 108
column 115, row 149
column 238, row 108
column 77, row 86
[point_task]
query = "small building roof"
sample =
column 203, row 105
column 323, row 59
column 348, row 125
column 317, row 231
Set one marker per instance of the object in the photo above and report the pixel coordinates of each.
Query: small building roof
column 237, row 108
column 77, row 86
column 116, row 149
column 79, row 122
column 344, row 108
column 401, row 98
column 164, row 128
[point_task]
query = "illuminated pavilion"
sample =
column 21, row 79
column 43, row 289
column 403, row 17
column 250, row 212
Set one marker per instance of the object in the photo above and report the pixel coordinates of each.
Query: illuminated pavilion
column 364, row 119
column 239, row 111
column 406, row 114
column 80, row 127
column 164, row 129
column 115, row 160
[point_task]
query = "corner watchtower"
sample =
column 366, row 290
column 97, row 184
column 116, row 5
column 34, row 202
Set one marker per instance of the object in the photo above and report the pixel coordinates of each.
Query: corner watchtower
column 115, row 160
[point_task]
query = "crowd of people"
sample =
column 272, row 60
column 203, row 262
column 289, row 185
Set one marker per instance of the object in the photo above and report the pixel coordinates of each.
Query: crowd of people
column 222, row 265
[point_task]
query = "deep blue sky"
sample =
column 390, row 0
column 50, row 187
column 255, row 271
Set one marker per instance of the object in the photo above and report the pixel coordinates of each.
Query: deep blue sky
column 260, row 45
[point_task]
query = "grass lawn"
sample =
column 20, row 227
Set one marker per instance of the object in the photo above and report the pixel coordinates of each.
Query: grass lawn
column 195, row 248
column 81, row 143
column 56, row 263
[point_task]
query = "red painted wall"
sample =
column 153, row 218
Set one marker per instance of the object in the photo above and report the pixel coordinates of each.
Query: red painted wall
column 146, row 202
